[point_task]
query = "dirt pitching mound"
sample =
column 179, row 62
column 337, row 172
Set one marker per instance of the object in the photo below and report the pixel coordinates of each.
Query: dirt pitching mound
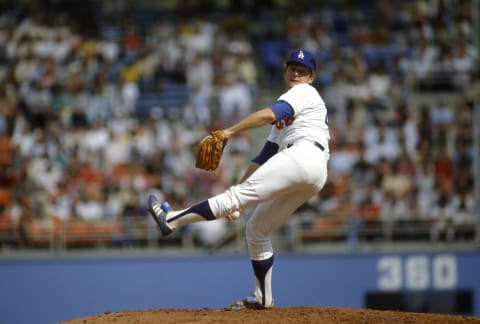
column 276, row 315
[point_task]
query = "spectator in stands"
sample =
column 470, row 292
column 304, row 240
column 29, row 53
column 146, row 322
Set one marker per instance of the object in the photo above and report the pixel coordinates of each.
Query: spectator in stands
column 179, row 159
column 462, row 207
column 463, row 63
column 395, row 208
column 342, row 162
column 423, row 60
column 234, row 99
column 382, row 142
column 443, row 164
column 99, row 104
column 397, row 185
column 336, row 98
column 425, row 186
column 200, row 79
column 363, row 171
column 94, row 140
column 408, row 128
column 117, row 152
column 90, row 206
column 379, row 83
column 463, row 161
column 441, row 221
column 129, row 90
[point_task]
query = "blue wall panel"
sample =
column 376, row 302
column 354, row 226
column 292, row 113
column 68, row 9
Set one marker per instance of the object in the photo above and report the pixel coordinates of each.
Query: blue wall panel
column 49, row 291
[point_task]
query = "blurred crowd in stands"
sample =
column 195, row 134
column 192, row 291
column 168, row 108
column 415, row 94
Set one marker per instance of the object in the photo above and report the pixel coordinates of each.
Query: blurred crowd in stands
column 76, row 148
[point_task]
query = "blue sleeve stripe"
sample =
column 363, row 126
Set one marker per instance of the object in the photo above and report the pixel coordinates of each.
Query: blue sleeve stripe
column 282, row 110
column 269, row 150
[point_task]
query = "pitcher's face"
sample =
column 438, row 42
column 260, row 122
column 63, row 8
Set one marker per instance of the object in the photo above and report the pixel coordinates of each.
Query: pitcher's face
column 296, row 73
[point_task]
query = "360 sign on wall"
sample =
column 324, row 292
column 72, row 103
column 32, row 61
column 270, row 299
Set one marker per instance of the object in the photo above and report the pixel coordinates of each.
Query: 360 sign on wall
column 417, row 272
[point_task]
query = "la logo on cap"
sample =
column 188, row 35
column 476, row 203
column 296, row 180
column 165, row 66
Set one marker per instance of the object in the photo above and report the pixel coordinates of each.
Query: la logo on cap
column 303, row 57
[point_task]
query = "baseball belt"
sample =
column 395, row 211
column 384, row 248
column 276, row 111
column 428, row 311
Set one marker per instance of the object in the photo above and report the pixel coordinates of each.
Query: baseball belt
column 320, row 146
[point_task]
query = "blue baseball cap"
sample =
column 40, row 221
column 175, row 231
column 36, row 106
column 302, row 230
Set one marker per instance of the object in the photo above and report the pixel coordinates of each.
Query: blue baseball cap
column 303, row 57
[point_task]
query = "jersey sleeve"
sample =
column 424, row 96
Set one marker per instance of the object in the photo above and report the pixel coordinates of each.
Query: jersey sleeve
column 268, row 150
column 282, row 110
column 273, row 135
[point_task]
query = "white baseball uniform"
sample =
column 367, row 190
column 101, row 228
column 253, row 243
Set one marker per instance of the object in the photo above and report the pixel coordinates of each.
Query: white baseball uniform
column 292, row 168
column 288, row 176
column 285, row 181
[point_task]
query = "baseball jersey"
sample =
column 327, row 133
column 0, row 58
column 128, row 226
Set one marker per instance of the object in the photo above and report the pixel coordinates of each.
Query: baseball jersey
column 310, row 119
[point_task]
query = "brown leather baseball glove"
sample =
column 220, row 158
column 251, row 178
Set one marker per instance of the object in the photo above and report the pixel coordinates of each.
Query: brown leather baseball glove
column 210, row 151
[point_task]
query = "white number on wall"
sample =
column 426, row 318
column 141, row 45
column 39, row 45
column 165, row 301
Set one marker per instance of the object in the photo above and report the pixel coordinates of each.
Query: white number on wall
column 417, row 272
column 445, row 272
column 390, row 269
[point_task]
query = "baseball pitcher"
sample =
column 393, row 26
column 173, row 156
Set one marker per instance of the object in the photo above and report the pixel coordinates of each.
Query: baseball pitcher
column 289, row 170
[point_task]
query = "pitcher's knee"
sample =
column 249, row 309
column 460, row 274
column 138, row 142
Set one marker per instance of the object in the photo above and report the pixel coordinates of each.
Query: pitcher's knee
column 253, row 231
column 259, row 244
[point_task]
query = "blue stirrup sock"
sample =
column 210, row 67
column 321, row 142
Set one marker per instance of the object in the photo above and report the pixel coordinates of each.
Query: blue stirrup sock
column 196, row 213
column 263, row 274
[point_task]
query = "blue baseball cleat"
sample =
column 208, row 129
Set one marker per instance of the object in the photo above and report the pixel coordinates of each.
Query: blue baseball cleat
column 159, row 214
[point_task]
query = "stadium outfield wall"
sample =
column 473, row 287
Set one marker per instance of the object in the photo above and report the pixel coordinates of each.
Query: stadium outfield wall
column 39, row 290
